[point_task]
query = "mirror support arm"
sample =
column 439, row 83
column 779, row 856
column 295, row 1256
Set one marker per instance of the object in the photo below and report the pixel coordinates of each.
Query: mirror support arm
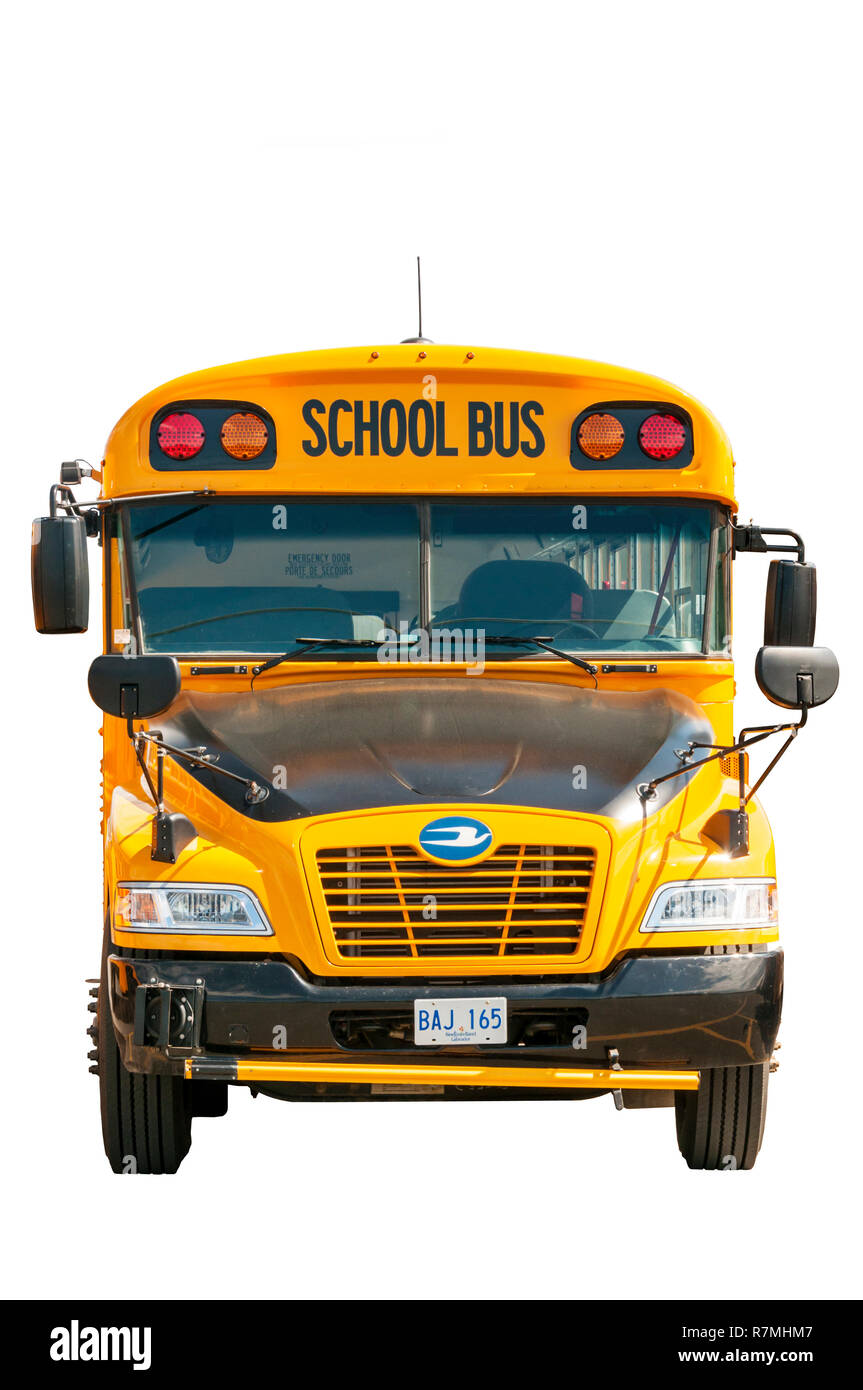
column 730, row 829
column 62, row 499
column 155, row 792
column 647, row 790
column 255, row 791
column 751, row 539
column 795, row 729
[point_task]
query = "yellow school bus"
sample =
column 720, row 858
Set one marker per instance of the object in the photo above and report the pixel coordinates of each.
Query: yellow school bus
column 420, row 772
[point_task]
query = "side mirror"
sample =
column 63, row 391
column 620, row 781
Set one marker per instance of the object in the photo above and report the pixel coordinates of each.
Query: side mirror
column 789, row 609
column 134, row 687
column 59, row 573
column 797, row 677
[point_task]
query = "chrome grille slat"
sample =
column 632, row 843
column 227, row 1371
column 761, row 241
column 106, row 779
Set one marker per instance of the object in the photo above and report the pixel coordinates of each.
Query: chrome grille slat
column 522, row 900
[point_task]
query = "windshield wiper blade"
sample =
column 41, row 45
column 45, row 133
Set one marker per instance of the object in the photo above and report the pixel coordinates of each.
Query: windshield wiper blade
column 310, row 644
column 504, row 640
column 170, row 521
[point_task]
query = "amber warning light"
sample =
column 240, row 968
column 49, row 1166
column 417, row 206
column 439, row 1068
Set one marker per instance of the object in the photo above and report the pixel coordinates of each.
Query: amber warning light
column 244, row 435
column 600, row 436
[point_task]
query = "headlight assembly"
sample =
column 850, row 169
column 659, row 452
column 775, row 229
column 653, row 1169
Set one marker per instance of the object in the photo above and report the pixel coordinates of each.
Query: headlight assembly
column 721, row 904
column 196, row 908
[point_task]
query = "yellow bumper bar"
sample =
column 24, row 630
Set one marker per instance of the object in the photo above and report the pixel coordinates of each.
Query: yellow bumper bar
column 568, row 1078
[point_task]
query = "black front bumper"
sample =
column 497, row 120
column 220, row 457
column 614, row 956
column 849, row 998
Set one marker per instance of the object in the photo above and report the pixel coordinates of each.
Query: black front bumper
column 657, row 1010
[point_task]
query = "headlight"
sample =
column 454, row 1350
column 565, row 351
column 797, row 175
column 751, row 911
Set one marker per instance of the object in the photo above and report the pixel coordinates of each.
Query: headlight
column 720, row 904
column 205, row 908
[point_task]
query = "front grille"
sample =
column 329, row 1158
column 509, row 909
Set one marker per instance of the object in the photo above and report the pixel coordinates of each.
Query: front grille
column 524, row 900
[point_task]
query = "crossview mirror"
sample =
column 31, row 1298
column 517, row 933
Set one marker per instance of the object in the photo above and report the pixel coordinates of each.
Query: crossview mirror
column 134, row 687
column 797, row 677
column 789, row 609
column 59, row 574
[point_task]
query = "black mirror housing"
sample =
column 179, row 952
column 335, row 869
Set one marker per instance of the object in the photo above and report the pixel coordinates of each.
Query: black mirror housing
column 789, row 609
column 171, row 834
column 134, row 687
column 59, row 574
column 797, row 677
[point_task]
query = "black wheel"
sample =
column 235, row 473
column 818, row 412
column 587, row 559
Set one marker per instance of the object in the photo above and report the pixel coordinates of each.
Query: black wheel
column 146, row 1120
column 721, row 1124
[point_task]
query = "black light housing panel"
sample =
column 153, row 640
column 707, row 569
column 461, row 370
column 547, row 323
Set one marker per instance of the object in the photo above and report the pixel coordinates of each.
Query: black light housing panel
column 188, row 436
column 631, row 434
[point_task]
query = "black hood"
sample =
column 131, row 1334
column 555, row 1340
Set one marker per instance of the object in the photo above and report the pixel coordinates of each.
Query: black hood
column 345, row 745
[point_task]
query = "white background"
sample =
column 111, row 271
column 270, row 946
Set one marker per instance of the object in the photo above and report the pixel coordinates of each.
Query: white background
column 670, row 186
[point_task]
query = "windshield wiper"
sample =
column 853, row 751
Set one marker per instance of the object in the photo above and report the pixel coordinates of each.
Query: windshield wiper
column 171, row 521
column 501, row 640
column 310, row 644
column 254, row 613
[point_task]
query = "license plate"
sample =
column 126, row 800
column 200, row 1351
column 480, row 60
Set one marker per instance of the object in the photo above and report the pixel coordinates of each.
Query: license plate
column 442, row 1022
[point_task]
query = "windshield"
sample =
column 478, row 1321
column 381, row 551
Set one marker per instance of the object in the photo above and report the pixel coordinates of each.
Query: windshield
column 592, row 577
column 251, row 578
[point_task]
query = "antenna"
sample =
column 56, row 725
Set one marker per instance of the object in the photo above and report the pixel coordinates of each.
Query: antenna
column 419, row 338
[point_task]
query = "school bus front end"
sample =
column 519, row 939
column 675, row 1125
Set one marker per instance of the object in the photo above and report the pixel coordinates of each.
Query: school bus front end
column 420, row 771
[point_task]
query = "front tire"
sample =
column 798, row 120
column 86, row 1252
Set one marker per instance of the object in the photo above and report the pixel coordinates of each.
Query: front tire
column 146, row 1122
column 722, row 1123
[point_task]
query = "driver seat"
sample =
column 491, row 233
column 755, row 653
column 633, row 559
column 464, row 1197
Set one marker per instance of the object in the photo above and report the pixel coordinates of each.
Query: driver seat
column 540, row 589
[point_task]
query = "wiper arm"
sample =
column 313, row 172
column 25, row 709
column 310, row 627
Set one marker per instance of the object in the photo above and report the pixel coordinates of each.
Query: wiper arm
column 310, row 644
column 501, row 640
column 171, row 521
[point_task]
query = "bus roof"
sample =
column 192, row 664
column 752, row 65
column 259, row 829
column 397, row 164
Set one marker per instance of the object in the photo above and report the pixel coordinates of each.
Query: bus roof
column 419, row 418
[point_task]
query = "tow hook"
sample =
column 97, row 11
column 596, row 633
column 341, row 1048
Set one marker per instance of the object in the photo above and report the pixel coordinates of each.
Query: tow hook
column 614, row 1065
